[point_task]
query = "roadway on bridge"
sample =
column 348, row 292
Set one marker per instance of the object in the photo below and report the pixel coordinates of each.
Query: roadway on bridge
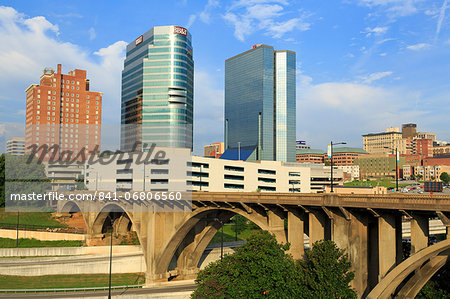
column 169, row 291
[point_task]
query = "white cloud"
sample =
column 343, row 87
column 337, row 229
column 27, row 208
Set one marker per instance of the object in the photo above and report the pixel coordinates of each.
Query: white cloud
column 376, row 31
column 441, row 18
column 242, row 27
column 343, row 111
column 92, row 34
column 40, row 25
column 30, row 44
column 278, row 29
column 375, row 76
column 205, row 14
column 394, row 8
column 191, row 21
column 252, row 15
column 419, row 47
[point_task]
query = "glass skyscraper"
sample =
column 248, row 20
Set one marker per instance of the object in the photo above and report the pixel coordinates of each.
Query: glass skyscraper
column 260, row 103
column 158, row 88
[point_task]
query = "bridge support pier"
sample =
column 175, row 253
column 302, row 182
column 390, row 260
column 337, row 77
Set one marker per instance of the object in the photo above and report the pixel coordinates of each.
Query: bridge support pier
column 275, row 220
column 317, row 224
column 389, row 243
column 295, row 234
column 350, row 233
column 419, row 233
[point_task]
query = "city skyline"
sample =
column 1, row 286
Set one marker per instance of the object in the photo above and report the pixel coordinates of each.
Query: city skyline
column 384, row 66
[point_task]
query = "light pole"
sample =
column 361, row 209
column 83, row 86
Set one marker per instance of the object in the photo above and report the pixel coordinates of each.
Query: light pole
column 221, row 243
column 239, row 150
column 235, row 229
column 110, row 256
column 17, row 230
column 396, row 166
column 331, row 156
column 144, row 178
column 201, row 173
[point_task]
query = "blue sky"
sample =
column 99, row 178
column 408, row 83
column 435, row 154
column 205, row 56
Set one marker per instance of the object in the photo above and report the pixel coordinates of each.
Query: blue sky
column 362, row 65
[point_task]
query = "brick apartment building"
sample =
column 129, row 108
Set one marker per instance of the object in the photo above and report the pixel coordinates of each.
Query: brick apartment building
column 438, row 160
column 62, row 111
column 344, row 156
column 307, row 155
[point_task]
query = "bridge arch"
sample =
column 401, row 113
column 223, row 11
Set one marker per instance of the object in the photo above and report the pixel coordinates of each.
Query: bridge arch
column 424, row 264
column 205, row 232
column 122, row 224
column 74, row 207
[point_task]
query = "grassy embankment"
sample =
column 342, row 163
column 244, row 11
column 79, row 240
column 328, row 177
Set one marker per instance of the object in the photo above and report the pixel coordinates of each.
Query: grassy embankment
column 388, row 183
column 38, row 220
column 29, row 243
column 230, row 236
column 69, row 281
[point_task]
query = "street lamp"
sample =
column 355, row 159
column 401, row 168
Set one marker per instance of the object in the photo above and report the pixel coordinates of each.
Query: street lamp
column 331, row 156
column 110, row 255
column 239, row 151
column 201, row 173
column 221, row 243
column 396, row 166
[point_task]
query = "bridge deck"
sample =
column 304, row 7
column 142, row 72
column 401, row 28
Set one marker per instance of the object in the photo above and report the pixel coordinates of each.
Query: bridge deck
column 390, row 201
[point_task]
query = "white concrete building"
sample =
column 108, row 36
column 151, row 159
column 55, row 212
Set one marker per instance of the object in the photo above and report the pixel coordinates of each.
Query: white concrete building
column 63, row 176
column 214, row 175
column 352, row 170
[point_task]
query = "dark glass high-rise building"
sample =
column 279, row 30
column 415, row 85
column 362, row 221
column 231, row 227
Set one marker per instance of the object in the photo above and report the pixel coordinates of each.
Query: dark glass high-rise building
column 260, row 103
column 158, row 89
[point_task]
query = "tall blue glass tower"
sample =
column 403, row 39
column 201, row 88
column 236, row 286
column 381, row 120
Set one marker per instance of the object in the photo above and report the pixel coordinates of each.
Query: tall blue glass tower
column 158, row 88
column 260, row 103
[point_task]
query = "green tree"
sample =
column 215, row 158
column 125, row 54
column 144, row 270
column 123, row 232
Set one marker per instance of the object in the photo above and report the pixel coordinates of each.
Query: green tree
column 262, row 268
column 437, row 286
column 325, row 272
column 445, row 178
column 24, row 175
column 79, row 185
column 239, row 224
column 258, row 268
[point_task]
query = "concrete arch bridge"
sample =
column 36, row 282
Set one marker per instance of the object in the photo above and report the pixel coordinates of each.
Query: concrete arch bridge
column 369, row 227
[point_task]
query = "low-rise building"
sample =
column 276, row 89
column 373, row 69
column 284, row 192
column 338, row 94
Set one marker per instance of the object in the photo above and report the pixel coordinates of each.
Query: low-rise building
column 214, row 175
column 376, row 143
column 426, row 135
column 408, row 171
column 351, row 170
column 438, row 160
column 301, row 144
column 310, row 156
column 431, row 173
column 214, row 150
column 345, row 156
column 378, row 165
column 440, row 150
column 357, row 190
column 16, row 146
column 63, row 176
column 423, row 147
